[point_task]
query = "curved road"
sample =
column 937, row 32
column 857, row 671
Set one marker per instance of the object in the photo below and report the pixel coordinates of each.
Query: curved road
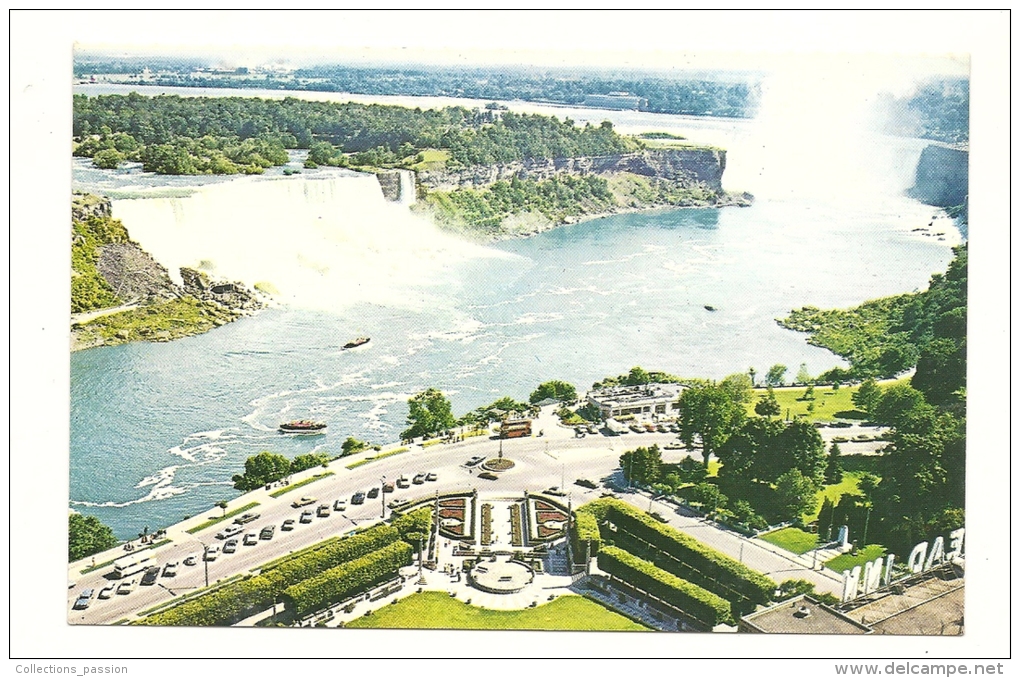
column 557, row 458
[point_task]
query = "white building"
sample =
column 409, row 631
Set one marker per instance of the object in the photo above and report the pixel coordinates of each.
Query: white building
column 647, row 400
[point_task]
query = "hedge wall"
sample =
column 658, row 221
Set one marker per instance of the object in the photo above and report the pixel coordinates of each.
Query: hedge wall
column 234, row 602
column 703, row 605
column 690, row 558
column 344, row 581
column 585, row 528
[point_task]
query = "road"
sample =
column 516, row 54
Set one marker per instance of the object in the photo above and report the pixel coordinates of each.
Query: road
column 554, row 459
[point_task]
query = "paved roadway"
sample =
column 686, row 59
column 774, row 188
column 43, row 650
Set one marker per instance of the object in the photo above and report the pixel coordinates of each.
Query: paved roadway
column 556, row 458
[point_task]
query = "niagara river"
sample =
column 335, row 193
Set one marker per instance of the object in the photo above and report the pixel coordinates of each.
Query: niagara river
column 158, row 429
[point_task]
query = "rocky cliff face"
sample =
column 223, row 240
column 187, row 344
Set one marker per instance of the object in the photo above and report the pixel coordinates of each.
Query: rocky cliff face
column 942, row 176
column 688, row 167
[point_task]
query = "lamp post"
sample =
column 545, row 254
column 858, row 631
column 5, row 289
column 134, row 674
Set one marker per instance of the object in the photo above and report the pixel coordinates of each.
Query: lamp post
column 205, row 561
column 382, row 496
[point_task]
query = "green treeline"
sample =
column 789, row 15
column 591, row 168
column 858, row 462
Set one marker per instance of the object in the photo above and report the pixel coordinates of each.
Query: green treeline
column 689, row 96
column 884, row 337
column 224, row 135
column 555, row 198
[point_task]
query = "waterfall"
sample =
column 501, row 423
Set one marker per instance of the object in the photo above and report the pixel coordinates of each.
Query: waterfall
column 407, row 188
column 321, row 241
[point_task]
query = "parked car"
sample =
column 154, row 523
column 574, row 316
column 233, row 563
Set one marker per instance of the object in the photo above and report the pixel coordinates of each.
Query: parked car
column 556, row 492
column 127, row 587
column 432, row 477
column 303, row 501
column 150, row 576
column 84, row 599
column 229, row 531
column 306, row 516
column 387, row 488
column 675, row 445
column 584, row 482
column 170, row 570
column 230, row 546
column 323, row 511
column 419, row 479
column 340, row 505
column 288, row 525
column 397, row 503
column 485, row 475
column 474, row 461
column 246, row 518
column 191, row 560
column 403, row 483
column 212, row 553
column 267, row 532
column 373, row 493
column 251, row 539
column 358, row 498
column 107, row 592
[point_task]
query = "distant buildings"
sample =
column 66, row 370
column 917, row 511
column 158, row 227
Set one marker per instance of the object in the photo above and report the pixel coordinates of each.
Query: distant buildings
column 648, row 399
column 620, row 101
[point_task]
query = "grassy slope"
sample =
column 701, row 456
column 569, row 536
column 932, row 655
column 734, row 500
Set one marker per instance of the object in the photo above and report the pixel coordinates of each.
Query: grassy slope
column 791, row 539
column 436, row 610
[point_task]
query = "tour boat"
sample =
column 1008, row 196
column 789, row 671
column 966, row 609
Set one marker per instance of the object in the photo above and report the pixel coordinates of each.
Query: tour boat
column 360, row 341
column 303, row 426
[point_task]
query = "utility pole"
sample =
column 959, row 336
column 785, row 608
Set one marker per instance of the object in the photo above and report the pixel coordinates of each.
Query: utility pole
column 864, row 540
column 205, row 561
column 382, row 496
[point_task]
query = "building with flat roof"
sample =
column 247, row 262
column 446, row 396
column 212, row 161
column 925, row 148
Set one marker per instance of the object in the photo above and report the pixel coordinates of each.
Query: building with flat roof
column 928, row 604
column 648, row 399
column 802, row 614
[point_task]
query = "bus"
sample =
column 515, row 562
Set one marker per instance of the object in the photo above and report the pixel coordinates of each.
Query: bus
column 132, row 564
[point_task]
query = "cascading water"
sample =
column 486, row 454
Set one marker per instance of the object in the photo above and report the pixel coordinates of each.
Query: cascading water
column 407, row 189
column 317, row 241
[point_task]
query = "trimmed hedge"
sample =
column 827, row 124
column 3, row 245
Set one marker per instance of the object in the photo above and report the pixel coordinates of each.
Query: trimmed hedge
column 234, row 602
column 688, row 557
column 585, row 528
column 344, row 581
column 700, row 604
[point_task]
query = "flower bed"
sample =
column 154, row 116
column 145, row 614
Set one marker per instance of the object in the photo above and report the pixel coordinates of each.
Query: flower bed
column 456, row 502
column 457, row 513
column 541, row 505
column 516, row 534
column 486, row 524
column 547, row 532
column 498, row 464
column 547, row 516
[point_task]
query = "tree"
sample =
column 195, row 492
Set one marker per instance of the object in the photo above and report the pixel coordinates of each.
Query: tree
column 307, row 461
column 637, row 377
column 825, row 516
column 429, row 413
column 709, row 496
column 87, row 535
column 558, row 390
column 867, row 396
column 767, row 405
column 803, row 376
column 352, row 446
column 752, row 373
column 109, row 158
column 833, row 468
column 795, row 494
column 802, row 448
column 690, row 470
column 709, row 414
column 643, row 465
column 739, row 387
column 222, row 505
column 775, row 375
column 898, row 403
column 263, row 468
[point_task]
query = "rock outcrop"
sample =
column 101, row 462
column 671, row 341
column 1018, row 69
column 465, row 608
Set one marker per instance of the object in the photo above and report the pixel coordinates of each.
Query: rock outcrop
column 942, row 176
column 688, row 167
column 232, row 295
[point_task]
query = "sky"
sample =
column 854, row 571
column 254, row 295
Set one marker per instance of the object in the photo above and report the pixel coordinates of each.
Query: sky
column 890, row 47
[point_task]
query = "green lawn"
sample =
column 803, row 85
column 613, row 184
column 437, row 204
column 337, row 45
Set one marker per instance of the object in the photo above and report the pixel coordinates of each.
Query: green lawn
column 437, row 610
column 220, row 519
column 792, row 539
column 382, row 455
column 827, row 403
column 847, row 561
column 302, row 483
column 851, row 479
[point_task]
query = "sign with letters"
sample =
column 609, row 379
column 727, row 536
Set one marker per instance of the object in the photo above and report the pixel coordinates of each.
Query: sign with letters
column 878, row 574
